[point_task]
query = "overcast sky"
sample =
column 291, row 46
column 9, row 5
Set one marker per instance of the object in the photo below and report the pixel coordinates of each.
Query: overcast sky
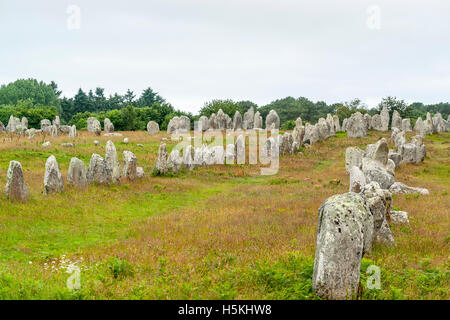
column 192, row 51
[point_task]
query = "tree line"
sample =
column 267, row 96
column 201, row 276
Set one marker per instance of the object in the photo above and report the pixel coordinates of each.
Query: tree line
column 37, row 100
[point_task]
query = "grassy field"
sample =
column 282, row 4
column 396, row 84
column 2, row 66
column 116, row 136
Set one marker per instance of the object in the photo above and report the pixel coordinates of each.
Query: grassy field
column 219, row 232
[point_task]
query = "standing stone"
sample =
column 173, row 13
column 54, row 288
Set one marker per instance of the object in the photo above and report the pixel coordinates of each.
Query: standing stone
column 330, row 122
column 272, row 120
column 395, row 157
column 184, row 124
column 428, row 125
column 13, row 123
column 298, row 134
column 257, row 121
column 356, row 126
column 57, row 122
column 2, row 127
column 240, row 149
column 396, row 120
column 108, row 125
column 202, row 124
column 188, row 158
column 24, row 122
column 129, row 165
column 324, row 129
column 162, row 165
column 16, row 188
column 93, row 125
column 344, row 235
column 406, row 124
column 73, row 131
column 374, row 171
column 353, row 158
column 45, row 123
column 378, row 151
column 337, row 126
column 152, row 127
column 344, row 125
column 249, row 118
column 368, row 121
column 357, row 180
column 311, row 134
column 376, row 123
column 212, row 122
column 198, row 155
column 112, row 162
column 419, row 127
column 237, row 121
column 77, row 173
column 31, row 133
column 53, row 181
column 221, row 120
column 299, row 123
column 384, row 119
column 98, row 171
column 175, row 161
column 140, row 172
column 53, row 131
column 173, row 125
column 286, row 143
column 230, row 154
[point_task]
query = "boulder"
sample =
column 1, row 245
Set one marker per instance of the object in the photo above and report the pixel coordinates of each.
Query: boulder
column 298, row 134
column 398, row 187
column 399, row 217
column 73, row 131
column 77, row 174
column 323, row 128
column 53, row 181
column 202, row 124
column 140, row 172
column 240, row 149
column 175, row 161
column 112, row 162
column 31, row 133
column 395, row 157
column 378, row 151
column 16, row 189
column 45, row 123
column 221, row 120
column 376, row 123
column 344, row 235
column 98, row 171
column 374, row 171
column 24, row 122
column 57, row 122
column 152, row 127
column 129, row 165
column 419, row 127
column 230, row 155
column 311, row 134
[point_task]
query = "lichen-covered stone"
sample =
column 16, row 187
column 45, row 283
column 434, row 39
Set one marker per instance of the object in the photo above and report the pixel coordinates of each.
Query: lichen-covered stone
column 77, row 174
column 16, row 189
column 53, row 181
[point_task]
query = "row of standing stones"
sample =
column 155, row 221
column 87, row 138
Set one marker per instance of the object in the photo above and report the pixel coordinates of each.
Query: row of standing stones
column 350, row 223
column 100, row 171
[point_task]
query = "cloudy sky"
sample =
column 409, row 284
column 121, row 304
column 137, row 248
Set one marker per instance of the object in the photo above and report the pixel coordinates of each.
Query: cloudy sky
column 192, row 51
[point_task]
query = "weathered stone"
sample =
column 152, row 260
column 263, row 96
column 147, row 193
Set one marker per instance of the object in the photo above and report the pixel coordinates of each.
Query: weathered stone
column 31, row 133
column 57, row 122
column 357, row 180
column 399, row 217
column 438, row 123
column 140, row 173
column 384, row 114
column 374, row 171
column 398, row 187
column 67, row 145
column 400, row 139
column 77, row 174
column 46, row 144
column 16, row 189
column 240, row 149
column 395, row 157
column 24, row 122
column 188, row 158
column 272, row 119
column 353, row 157
column 344, row 235
column 14, row 124
column 419, row 127
column 378, row 151
column 98, row 170
column 330, row 122
column 237, row 121
column 96, row 143
column 175, row 161
column 406, row 125
column 152, row 127
column 413, row 152
column 298, row 134
column 249, row 118
column 230, row 155
column 202, row 124
column 221, row 120
column 198, row 155
column 299, row 122
column 64, row 129
column 73, row 131
column 53, row 181
column 2, row 127
column 311, row 134
column 285, row 144
column 428, row 125
column 323, row 128
column 93, row 125
column 112, row 162
column 129, row 165
column 108, row 126
column 212, row 122
column 45, row 123
column 356, row 126
column 162, row 163
column 376, row 123
column 337, row 126
column 368, row 121
column 396, row 120
column 53, row 131
column 258, row 121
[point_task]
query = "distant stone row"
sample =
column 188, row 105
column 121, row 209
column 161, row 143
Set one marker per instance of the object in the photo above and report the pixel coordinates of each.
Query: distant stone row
column 100, row 171
column 358, row 124
column 15, row 125
column 350, row 223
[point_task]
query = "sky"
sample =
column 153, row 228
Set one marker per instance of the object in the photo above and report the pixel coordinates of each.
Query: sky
column 193, row 51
